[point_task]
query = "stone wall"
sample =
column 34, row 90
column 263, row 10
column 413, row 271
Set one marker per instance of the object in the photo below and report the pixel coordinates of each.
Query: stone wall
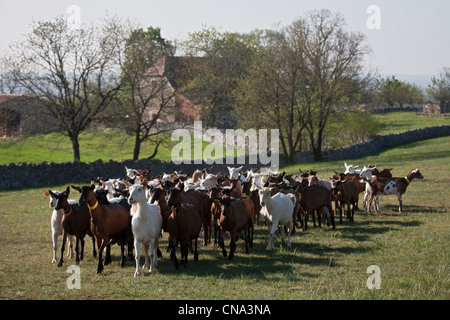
column 48, row 174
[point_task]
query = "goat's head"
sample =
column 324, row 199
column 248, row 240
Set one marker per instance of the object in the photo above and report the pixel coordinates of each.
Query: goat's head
column 416, row 174
column 264, row 195
column 174, row 197
column 367, row 173
column 225, row 205
column 156, row 193
column 52, row 201
column 137, row 194
column 234, row 172
column 60, row 198
column 350, row 168
column 86, row 194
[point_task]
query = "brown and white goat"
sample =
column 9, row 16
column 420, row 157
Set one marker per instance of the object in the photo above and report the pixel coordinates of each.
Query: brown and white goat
column 387, row 186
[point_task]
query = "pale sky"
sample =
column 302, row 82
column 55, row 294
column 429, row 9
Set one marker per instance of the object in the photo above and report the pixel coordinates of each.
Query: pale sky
column 413, row 38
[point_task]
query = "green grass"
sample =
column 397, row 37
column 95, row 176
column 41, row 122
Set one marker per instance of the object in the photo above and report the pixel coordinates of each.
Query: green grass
column 117, row 146
column 411, row 249
column 94, row 145
column 396, row 122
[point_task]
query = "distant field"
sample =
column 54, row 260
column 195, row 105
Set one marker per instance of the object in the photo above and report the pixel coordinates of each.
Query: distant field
column 411, row 249
column 110, row 144
column 94, row 145
column 396, row 122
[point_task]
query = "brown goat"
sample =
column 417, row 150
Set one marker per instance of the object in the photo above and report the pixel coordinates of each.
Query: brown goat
column 183, row 225
column 236, row 216
column 202, row 205
column 313, row 199
column 75, row 221
column 109, row 223
column 345, row 193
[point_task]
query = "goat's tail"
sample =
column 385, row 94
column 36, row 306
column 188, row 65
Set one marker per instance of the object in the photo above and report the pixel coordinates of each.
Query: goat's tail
column 293, row 198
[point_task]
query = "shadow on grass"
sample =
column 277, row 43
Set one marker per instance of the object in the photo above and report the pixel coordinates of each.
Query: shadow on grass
column 302, row 260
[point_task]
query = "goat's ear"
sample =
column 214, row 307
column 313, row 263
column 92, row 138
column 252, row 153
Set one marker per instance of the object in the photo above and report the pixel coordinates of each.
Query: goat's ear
column 51, row 193
column 68, row 191
column 75, row 188
column 45, row 193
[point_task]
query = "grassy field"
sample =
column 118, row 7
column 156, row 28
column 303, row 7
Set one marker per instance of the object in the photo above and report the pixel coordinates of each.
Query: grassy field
column 411, row 249
column 396, row 122
column 110, row 144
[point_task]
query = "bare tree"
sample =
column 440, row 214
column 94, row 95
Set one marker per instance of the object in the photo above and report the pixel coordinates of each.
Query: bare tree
column 147, row 99
column 73, row 72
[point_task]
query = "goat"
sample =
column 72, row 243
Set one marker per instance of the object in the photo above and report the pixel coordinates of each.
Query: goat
column 55, row 223
column 314, row 198
column 345, row 193
column 236, row 216
column 75, row 221
column 184, row 224
column 387, row 186
column 280, row 210
column 109, row 223
column 146, row 224
column 201, row 204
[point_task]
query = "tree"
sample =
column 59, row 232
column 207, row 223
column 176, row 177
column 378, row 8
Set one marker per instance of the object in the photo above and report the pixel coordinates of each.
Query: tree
column 146, row 98
column 308, row 70
column 439, row 89
column 73, row 72
column 268, row 95
column 218, row 60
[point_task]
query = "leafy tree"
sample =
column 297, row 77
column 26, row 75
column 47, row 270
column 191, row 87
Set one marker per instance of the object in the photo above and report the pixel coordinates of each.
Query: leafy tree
column 218, row 60
column 439, row 89
column 146, row 98
column 301, row 76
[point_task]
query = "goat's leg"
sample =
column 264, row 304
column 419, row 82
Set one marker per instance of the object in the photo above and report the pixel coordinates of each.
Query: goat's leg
column 70, row 249
column 222, row 243
column 232, row 245
column 82, row 247
column 60, row 263
column 246, row 236
column 173, row 256
column 122, row 254
column 100, row 253
column 290, row 226
column 130, row 248
column 400, row 203
column 55, row 245
column 137, row 257
column 153, row 256
column 77, row 249
column 272, row 230
column 195, row 250
column 108, row 259
column 147, row 263
column 330, row 209
column 94, row 252
column 157, row 253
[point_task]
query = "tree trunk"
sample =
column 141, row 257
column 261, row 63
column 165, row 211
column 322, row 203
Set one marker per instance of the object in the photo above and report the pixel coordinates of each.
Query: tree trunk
column 75, row 147
column 137, row 146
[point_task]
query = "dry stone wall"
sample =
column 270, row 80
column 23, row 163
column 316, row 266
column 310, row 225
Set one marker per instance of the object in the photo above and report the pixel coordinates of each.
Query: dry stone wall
column 50, row 174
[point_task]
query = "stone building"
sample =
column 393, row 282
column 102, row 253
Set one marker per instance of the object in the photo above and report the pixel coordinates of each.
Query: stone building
column 23, row 115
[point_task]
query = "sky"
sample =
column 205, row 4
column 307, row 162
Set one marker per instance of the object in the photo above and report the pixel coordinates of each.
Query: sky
column 407, row 37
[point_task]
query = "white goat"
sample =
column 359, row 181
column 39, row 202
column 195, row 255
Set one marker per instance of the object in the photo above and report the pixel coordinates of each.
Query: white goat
column 234, row 172
column 280, row 209
column 57, row 229
column 351, row 169
column 146, row 224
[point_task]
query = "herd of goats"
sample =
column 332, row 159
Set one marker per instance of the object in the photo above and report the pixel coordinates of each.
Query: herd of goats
column 136, row 209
